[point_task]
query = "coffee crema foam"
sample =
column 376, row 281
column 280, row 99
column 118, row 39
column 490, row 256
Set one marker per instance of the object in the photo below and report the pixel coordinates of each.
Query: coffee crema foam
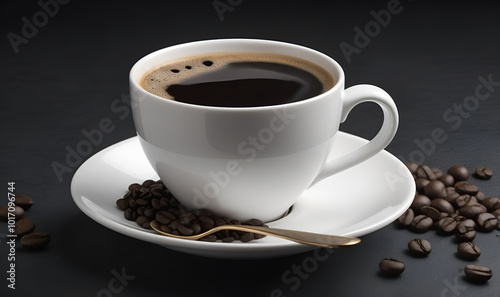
column 158, row 79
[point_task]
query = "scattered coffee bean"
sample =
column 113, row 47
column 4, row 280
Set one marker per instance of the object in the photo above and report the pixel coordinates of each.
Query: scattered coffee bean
column 420, row 201
column 435, row 189
column 464, row 200
column 16, row 213
column 483, row 173
column 447, row 180
column 466, row 231
column 459, row 173
column 468, row 251
column 461, row 210
column 472, row 211
column 426, row 172
column 23, row 201
column 446, row 225
column 431, row 212
column 412, row 166
column 406, row 218
column 442, row 205
column 35, row 240
column 478, row 273
column 480, row 196
column 391, row 266
column 486, row 222
column 491, row 203
column 420, row 184
column 24, row 226
column 465, row 187
column 419, row 247
column 421, row 224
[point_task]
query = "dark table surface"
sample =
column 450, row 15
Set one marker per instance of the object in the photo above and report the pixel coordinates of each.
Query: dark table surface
column 63, row 63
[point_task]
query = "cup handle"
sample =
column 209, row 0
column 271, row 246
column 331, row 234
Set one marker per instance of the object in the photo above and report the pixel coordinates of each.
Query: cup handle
column 352, row 97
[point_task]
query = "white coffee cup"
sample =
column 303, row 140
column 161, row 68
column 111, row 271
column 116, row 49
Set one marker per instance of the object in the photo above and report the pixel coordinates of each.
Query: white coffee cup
column 249, row 162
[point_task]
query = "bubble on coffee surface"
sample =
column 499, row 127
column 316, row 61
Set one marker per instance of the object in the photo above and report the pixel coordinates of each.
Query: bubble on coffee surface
column 197, row 68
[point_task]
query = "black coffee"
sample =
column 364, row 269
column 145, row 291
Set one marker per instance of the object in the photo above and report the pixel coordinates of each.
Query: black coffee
column 238, row 80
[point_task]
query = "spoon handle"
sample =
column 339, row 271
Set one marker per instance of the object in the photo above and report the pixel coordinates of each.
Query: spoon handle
column 315, row 239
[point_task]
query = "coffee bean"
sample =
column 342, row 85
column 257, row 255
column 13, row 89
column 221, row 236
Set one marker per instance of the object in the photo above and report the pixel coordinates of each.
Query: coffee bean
column 419, row 247
column 468, row 251
column 472, row 211
column 185, row 230
column 412, row 166
column 391, row 266
column 451, row 196
column 11, row 212
column 465, row 187
column 487, row 221
column 480, row 196
column 406, row 218
column 447, row 225
column 23, row 201
column 483, row 173
column 24, row 226
column 246, row 237
column 467, row 223
column 421, row 223
column 420, row 201
column 442, row 205
column 35, row 240
column 130, row 214
column 491, row 203
column 148, row 183
column 426, row 172
column 451, row 190
column 459, row 173
column 134, row 186
column 420, row 184
column 464, row 200
column 496, row 213
column 478, row 273
column 447, row 180
column 122, row 204
column 435, row 189
column 143, row 221
column 465, row 230
column 431, row 212
column 206, row 223
column 437, row 172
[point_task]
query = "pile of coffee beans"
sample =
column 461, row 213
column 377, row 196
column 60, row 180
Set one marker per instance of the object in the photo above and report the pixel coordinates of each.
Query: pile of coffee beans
column 151, row 200
column 450, row 204
column 25, row 226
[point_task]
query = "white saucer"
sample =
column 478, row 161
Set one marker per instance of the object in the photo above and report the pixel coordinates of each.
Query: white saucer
column 354, row 202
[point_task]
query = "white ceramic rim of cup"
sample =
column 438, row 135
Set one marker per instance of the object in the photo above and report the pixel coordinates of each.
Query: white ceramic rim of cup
column 242, row 45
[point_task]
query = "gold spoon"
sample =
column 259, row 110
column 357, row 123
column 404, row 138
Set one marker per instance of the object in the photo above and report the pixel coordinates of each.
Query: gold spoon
column 314, row 239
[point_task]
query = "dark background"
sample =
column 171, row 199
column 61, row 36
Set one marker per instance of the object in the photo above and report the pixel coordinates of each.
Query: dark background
column 65, row 78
